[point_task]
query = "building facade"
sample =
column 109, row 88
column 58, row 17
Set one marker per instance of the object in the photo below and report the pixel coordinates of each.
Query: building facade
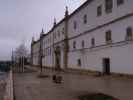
column 98, row 36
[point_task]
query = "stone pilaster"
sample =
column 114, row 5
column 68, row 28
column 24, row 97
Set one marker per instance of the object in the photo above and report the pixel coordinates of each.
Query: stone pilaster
column 66, row 47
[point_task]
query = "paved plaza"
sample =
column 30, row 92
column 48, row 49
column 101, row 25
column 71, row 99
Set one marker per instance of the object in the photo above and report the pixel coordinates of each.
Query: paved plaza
column 29, row 87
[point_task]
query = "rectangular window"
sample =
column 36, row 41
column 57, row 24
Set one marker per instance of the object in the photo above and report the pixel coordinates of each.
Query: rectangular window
column 108, row 6
column 83, row 43
column 46, row 52
column 54, row 35
column 120, row 2
column 129, row 33
column 85, row 19
column 108, row 36
column 79, row 62
column 99, row 10
column 74, row 44
column 58, row 33
column 63, row 30
column 75, row 25
column 93, row 42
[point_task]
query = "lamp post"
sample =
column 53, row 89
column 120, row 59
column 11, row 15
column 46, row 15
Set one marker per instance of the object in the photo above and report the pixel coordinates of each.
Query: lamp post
column 41, row 43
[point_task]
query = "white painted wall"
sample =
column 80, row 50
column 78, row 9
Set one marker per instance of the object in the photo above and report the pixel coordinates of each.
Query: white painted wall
column 48, row 40
column 47, row 45
column 36, row 49
column 120, row 56
column 59, row 30
column 93, row 20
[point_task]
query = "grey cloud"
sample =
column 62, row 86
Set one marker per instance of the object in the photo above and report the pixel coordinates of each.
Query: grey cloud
column 22, row 19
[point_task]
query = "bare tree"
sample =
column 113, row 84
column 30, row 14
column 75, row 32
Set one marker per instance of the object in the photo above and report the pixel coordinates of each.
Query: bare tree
column 21, row 50
column 20, row 54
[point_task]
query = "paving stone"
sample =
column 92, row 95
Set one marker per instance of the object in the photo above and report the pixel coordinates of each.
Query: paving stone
column 29, row 87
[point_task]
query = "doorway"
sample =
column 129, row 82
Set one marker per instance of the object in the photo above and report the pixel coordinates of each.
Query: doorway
column 106, row 66
column 57, row 58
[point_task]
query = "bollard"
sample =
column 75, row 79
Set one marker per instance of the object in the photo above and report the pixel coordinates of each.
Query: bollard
column 57, row 79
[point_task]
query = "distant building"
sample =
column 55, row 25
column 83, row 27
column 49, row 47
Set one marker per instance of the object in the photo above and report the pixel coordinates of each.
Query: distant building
column 97, row 36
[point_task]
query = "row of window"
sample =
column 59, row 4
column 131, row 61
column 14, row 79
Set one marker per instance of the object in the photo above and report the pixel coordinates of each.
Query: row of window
column 108, row 9
column 108, row 38
column 47, row 52
column 58, row 33
column 108, row 6
column 47, row 40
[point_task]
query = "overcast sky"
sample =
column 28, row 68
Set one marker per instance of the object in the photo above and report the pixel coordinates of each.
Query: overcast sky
column 22, row 19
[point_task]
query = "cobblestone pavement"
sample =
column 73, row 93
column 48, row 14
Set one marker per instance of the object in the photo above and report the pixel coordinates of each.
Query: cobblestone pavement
column 29, row 87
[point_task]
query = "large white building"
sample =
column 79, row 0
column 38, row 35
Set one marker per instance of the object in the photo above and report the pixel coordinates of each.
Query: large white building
column 98, row 36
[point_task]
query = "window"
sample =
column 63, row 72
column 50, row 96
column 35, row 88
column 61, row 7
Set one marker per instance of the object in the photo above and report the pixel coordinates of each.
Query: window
column 99, row 10
column 93, row 42
column 108, row 6
column 79, row 62
column 85, row 19
column 63, row 30
column 43, row 53
column 83, row 43
column 108, row 36
column 74, row 44
column 75, row 24
column 120, row 2
column 58, row 33
column 129, row 33
column 46, row 52
column 49, row 40
column 50, row 51
column 54, row 35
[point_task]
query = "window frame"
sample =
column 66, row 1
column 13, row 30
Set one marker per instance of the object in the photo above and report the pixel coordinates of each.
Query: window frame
column 63, row 30
column 75, row 25
column 83, row 43
column 58, row 33
column 108, row 36
column 92, row 42
column 79, row 63
column 54, row 35
column 85, row 19
column 99, row 10
column 129, row 33
column 120, row 2
column 108, row 6
column 74, row 44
